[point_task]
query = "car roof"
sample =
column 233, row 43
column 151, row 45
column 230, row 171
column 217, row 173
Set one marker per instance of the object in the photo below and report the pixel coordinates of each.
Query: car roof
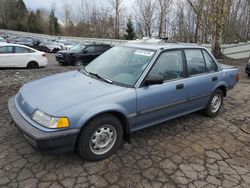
column 16, row 45
column 161, row 46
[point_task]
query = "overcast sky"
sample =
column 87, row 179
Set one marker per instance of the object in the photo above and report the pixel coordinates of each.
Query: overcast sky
column 75, row 4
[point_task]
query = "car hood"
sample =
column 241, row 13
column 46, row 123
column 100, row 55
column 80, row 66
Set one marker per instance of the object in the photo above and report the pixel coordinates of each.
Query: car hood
column 65, row 52
column 56, row 93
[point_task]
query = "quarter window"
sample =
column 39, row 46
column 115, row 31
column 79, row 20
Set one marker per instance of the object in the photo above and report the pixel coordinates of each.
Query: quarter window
column 195, row 62
column 211, row 66
column 169, row 65
column 6, row 50
column 22, row 50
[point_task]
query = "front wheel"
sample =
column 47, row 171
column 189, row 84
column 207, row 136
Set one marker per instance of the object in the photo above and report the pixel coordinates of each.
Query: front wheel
column 214, row 103
column 100, row 138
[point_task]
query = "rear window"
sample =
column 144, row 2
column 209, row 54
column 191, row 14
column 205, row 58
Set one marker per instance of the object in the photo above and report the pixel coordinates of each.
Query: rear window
column 22, row 50
column 211, row 65
column 195, row 62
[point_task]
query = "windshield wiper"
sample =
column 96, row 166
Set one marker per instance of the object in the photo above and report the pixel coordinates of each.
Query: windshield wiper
column 84, row 71
column 100, row 77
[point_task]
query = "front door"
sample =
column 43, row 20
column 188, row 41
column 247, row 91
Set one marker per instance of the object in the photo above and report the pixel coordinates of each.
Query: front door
column 6, row 56
column 158, row 103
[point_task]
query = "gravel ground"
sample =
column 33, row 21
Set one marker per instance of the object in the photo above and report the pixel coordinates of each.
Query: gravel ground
column 191, row 151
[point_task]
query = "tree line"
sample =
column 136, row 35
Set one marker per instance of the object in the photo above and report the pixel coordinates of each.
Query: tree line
column 14, row 15
column 193, row 21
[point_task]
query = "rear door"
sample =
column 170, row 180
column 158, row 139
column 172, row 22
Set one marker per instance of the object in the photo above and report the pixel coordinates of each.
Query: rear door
column 158, row 103
column 202, row 77
column 22, row 56
column 6, row 56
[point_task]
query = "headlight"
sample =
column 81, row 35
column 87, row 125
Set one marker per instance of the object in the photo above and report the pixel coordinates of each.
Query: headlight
column 48, row 121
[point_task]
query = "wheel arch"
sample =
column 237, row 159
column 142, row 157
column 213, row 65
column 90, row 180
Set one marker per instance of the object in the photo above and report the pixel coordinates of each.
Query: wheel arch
column 118, row 114
column 32, row 61
column 222, row 86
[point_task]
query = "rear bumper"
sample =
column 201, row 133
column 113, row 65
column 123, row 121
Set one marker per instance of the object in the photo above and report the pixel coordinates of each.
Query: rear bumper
column 47, row 142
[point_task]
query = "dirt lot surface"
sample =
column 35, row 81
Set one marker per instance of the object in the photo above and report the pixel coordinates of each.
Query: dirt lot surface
column 191, row 151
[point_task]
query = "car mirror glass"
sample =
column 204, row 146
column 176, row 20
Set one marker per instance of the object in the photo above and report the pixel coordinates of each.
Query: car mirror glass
column 154, row 79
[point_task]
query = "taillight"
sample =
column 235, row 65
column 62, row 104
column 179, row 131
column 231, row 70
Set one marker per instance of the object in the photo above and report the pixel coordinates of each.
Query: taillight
column 44, row 55
column 238, row 77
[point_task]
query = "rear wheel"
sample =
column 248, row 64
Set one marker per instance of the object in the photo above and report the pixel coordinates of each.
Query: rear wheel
column 32, row 65
column 100, row 138
column 214, row 103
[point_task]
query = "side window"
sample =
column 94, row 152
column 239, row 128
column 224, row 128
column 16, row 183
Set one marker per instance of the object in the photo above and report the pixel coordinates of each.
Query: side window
column 6, row 50
column 195, row 62
column 100, row 48
column 22, row 50
column 169, row 65
column 90, row 49
column 211, row 65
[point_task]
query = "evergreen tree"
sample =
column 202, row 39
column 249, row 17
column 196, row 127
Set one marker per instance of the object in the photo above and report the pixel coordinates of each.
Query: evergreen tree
column 130, row 31
column 34, row 22
column 54, row 27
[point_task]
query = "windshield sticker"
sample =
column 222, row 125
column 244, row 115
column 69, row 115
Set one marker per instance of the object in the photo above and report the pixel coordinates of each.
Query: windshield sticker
column 144, row 53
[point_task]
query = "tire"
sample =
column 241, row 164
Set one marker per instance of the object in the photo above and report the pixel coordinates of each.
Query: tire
column 214, row 104
column 32, row 65
column 94, row 142
column 78, row 63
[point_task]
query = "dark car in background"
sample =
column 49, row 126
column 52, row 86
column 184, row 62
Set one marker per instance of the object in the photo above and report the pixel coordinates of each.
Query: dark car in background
column 49, row 46
column 81, row 54
column 248, row 68
column 26, row 42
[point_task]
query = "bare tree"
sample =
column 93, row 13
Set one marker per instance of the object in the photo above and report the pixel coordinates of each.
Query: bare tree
column 198, row 7
column 163, row 9
column 116, row 5
column 146, row 15
column 220, row 10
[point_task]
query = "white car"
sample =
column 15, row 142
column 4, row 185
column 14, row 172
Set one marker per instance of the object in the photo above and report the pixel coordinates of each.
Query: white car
column 66, row 44
column 2, row 40
column 15, row 55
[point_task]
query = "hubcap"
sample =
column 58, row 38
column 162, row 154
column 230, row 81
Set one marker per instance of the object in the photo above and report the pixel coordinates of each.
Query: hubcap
column 103, row 139
column 216, row 103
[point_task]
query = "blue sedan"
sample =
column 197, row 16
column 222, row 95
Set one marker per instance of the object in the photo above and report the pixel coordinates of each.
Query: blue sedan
column 128, row 88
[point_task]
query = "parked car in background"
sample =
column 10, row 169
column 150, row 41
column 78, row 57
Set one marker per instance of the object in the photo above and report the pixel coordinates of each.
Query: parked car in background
column 49, row 46
column 128, row 88
column 26, row 41
column 2, row 40
column 15, row 55
column 248, row 68
column 81, row 54
column 67, row 45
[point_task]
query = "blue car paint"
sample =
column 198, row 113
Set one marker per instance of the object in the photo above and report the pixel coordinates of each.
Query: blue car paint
column 80, row 97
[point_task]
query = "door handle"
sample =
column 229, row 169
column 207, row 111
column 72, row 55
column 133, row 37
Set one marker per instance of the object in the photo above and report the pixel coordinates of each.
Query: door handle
column 179, row 86
column 215, row 78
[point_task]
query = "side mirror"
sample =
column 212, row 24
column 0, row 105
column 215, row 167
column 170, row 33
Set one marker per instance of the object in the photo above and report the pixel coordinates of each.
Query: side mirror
column 154, row 79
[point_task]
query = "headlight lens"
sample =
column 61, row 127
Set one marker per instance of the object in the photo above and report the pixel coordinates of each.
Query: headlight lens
column 48, row 121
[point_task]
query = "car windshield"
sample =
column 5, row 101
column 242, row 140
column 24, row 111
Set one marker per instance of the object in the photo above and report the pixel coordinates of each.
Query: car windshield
column 122, row 65
column 77, row 48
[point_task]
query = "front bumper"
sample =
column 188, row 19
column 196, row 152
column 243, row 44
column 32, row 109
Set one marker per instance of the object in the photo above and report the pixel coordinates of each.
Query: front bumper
column 47, row 142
